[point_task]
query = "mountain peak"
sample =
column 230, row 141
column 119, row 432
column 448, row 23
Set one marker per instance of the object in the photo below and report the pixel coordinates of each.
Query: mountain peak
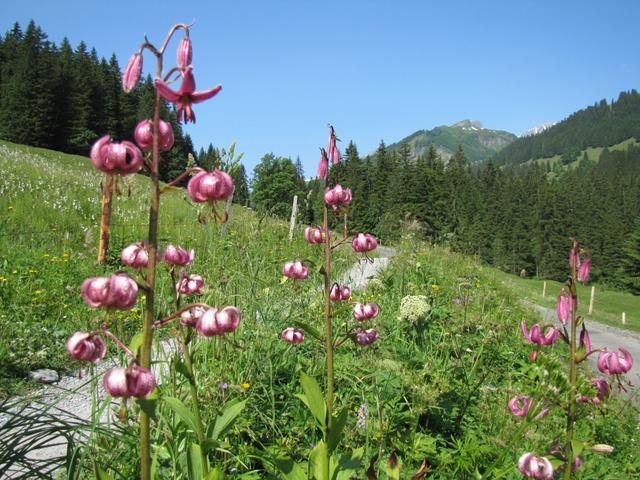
column 468, row 125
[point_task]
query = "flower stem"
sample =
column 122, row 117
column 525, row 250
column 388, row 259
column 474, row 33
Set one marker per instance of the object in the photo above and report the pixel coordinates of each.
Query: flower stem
column 105, row 217
column 149, row 314
column 573, row 375
column 327, row 322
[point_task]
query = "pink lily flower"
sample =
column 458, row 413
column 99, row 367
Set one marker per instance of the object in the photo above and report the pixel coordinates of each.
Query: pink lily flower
column 216, row 185
column 218, row 322
column 186, row 95
column 337, row 196
column 537, row 335
column 134, row 381
column 190, row 284
column 364, row 242
column 602, row 388
column 612, row 364
column 121, row 158
column 178, row 256
column 365, row 311
column 314, row 235
column 520, row 405
column 118, row 291
column 533, row 466
column 87, row 347
column 296, row 270
column 339, row 292
column 143, row 134
column 292, row 335
column 135, row 255
column 190, row 317
column 365, row 337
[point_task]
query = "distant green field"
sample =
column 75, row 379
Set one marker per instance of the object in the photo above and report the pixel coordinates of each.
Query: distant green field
column 593, row 153
column 608, row 304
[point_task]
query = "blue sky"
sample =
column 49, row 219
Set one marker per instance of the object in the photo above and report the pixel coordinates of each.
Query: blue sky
column 375, row 69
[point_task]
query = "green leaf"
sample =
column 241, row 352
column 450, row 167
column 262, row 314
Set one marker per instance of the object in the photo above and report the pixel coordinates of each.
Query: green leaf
column 100, row 473
column 225, row 420
column 392, row 467
column 194, row 460
column 181, row 368
column 318, row 462
column 348, row 465
column 182, row 411
column 215, row 474
column 290, row 470
column 314, row 399
column 335, row 432
column 309, row 329
column 149, row 404
column 136, row 342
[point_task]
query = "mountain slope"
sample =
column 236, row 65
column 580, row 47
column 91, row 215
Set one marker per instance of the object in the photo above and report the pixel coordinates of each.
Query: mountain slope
column 601, row 125
column 479, row 143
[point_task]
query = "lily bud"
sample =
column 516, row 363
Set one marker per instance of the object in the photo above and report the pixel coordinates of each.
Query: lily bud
column 323, row 165
column 190, row 284
column 178, row 256
column 533, row 466
column 132, row 72
column 365, row 311
column 365, row 337
column 143, row 134
column 583, row 271
column 121, row 158
column 135, row 255
column 184, row 52
column 520, row 405
column 87, row 347
column 584, row 347
column 292, row 335
column 612, row 364
column 364, row 242
column 296, row 270
column 337, row 196
column 204, row 186
column 563, row 308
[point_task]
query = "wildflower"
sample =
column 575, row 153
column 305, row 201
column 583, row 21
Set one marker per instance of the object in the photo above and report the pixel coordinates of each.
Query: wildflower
column 333, row 149
column 117, row 291
column 132, row 72
column 222, row 386
column 296, row 270
column 435, row 287
column 292, row 335
column 339, row 292
column 365, row 311
column 190, row 284
column 314, row 235
column 186, row 95
column 216, row 185
column 143, row 134
column 184, row 52
column 520, row 405
column 414, row 308
column 533, row 466
column 134, row 381
column 245, row 386
column 218, row 322
column 584, row 269
column 87, row 347
column 584, row 347
column 190, row 317
column 364, row 242
column 564, row 306
column 323, row 165
column 365, row 337
column 178, row 256
column 611, row 363
column 537, row 335
column 135, row 255
column 362, row 416
column 121, row 158
column 337, row 196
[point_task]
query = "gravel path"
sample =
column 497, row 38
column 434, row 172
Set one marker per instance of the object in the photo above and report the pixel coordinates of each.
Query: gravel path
column 67, row 404
column 605, row 336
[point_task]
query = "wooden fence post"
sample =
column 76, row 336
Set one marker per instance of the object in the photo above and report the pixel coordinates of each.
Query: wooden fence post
column 294, row 214
column 624, row 318
column 544, row 289
column 593, row 296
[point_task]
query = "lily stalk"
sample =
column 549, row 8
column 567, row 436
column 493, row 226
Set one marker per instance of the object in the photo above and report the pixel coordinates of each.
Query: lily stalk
column 573, row 369
column 105, row 217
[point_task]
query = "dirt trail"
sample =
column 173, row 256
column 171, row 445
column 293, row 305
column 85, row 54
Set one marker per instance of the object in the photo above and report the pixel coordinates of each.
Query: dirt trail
column 69, row 400
column 606, row 336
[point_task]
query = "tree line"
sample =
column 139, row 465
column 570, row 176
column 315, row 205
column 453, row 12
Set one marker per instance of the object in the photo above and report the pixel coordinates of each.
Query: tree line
column 519, row 219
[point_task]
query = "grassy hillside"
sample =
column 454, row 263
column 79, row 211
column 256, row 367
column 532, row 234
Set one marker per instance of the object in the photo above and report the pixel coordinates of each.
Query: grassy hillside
column 479, row 143
column 49, row 215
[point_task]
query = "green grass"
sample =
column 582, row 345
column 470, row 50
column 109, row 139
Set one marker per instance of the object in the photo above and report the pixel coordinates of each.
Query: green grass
column 607, row 307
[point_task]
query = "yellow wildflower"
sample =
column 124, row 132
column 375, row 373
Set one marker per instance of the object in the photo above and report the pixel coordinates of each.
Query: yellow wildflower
column 435, row 287
column 246, row 386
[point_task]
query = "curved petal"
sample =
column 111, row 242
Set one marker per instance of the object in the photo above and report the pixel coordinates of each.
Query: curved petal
column 627, row 361
column 198, row 97
column 166, row 92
